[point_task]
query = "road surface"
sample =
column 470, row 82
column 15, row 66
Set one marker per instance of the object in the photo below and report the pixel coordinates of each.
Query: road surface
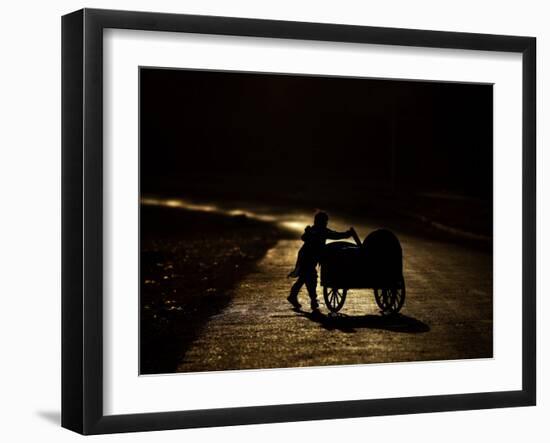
column 447, row 315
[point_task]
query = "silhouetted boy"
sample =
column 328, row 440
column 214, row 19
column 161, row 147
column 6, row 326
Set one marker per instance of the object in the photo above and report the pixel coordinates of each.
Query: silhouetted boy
column 314, row 238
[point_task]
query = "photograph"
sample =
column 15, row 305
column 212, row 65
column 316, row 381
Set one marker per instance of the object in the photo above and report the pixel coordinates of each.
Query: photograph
column 291, row 220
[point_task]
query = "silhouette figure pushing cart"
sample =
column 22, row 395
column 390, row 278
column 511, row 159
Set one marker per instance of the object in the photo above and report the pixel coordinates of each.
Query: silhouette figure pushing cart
column 376, row 263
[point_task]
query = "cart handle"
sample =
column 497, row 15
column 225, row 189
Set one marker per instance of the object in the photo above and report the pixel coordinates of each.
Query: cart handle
column 355, row 237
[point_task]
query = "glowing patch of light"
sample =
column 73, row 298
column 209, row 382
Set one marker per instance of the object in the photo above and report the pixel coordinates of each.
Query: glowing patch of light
column 294, row 225
column 151, row 201
column 173, row 203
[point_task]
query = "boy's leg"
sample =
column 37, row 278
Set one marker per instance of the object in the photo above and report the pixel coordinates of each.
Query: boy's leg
column 311, row 285
column 294, row 290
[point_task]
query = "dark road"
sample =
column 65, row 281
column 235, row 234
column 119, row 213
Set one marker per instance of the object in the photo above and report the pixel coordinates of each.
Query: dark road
column 448, row 314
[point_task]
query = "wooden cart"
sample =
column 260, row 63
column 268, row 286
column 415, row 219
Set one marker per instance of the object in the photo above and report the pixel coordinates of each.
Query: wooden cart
column 376, row 263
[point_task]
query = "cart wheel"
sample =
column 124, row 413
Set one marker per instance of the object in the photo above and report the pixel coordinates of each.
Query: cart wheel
column 334, row 298
column 390, row 300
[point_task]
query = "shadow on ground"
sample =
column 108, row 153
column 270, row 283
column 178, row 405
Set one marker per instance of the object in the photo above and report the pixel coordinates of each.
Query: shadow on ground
column 349, row 323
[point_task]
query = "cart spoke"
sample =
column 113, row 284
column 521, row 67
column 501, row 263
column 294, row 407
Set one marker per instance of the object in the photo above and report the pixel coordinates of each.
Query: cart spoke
column 334, row 298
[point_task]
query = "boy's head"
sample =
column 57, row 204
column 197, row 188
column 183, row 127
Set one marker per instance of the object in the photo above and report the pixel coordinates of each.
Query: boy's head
column 321, row 219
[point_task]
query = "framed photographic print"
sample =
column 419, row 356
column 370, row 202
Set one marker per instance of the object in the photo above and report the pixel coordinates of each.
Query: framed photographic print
column 268, row 221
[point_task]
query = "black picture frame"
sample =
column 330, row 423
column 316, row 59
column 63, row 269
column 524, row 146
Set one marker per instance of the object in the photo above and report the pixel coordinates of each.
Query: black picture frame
column 82, row 219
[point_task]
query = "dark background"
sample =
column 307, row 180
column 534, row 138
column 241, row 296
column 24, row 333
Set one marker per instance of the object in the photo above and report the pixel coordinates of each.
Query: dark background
column 287, row 138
